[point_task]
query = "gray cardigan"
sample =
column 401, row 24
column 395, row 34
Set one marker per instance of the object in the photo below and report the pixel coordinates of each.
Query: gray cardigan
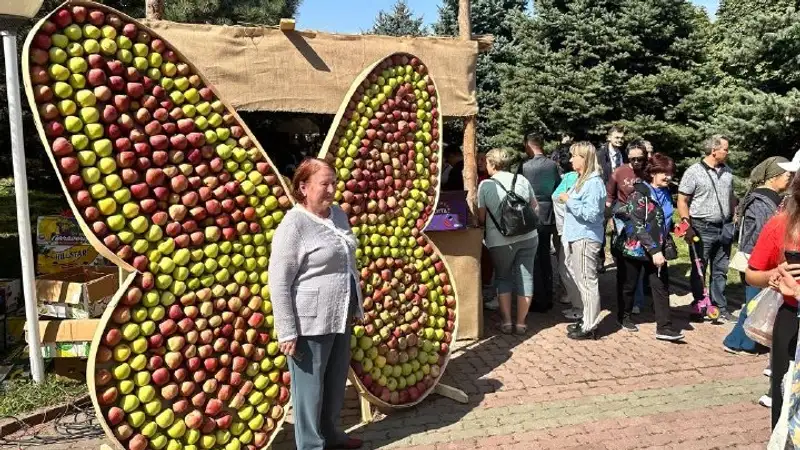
column 310, row 267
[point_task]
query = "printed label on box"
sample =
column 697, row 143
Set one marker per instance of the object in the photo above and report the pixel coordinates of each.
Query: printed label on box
column 56, row 258
column 59, row 230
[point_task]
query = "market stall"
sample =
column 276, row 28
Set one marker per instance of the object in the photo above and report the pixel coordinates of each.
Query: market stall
column 323, row 66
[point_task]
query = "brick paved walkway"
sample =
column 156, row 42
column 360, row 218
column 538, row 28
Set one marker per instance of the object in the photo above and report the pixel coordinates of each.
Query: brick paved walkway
column 541, row 391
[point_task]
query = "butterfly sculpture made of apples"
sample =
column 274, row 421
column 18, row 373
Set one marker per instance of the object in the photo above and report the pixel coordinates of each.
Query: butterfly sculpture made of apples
column 168, row 183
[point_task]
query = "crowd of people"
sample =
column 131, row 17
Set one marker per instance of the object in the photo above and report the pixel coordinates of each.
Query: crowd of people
column 580, row 192
column 561, row 206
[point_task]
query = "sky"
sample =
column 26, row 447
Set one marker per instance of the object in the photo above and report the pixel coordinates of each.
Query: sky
column 355, row 16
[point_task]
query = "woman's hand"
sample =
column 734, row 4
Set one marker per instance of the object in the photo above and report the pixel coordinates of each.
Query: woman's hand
column 659, row 260
column 563, row 197
column 288, row 348
column 787, row 279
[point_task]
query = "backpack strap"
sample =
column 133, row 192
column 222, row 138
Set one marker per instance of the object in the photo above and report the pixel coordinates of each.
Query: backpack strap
column 496, row 224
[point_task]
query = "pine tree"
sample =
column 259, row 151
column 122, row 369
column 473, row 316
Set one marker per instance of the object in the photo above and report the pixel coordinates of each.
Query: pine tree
column 400, row 21
column 487, row 17
column 753, row 77
column 224, row 12
column 584, row 65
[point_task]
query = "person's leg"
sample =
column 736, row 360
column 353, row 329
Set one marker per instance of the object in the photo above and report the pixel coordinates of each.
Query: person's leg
column 638, row 296
column 622, row 274
column 585, row 269
column 333, row 391
column 784, row 343
column 737, row 339
column 568, row 275
column 502, row 258
column 631, row 270
column 307, row 369
column 719, row 258
column 543, row 276
column 659, row 283
column 524, row 268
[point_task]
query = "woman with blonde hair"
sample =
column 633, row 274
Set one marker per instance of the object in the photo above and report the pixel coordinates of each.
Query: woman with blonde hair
column 512, row 256
column 583, row 237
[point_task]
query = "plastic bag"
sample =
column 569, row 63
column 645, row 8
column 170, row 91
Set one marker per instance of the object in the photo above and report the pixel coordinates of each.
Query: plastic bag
column 758, row 325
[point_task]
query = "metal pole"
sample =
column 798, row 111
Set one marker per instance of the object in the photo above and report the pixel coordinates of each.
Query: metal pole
column 23, row 214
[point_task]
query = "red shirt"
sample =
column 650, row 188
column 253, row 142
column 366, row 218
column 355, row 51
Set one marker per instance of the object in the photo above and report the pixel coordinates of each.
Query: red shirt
column 768, row 252
column 620, row 184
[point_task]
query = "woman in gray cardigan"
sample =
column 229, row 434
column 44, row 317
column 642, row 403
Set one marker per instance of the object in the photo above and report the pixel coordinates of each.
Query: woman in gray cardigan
column 315, row 294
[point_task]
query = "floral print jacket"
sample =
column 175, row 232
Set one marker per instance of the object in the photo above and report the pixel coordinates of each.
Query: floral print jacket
column 645, row 231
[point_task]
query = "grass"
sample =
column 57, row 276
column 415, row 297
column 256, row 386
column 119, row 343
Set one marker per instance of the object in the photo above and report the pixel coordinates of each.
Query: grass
column 680, row 268
column 21, row 395
column 40, row 203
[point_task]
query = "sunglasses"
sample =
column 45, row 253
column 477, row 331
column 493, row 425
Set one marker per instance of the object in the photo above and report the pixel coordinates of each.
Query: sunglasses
column 638, row 159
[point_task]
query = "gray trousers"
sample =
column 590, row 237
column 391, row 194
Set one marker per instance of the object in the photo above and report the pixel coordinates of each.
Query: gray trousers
column 319, row 374
column 583, row 260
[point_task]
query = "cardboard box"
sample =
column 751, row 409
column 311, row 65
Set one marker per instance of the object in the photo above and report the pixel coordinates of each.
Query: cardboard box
column 62, row 245
column 59, row 230
column 12, row 288
column 52, row 259
column 450, row 213
column 66, row 338
column 79, row 293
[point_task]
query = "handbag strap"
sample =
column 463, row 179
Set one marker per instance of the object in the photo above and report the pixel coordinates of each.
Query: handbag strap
column 716, row 194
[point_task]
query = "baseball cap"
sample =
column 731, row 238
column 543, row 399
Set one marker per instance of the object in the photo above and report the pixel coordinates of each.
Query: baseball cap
column 793, row 165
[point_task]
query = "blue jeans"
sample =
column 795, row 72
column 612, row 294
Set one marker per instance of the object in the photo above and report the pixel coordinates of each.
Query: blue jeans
column 718, row 256
column 737, row 339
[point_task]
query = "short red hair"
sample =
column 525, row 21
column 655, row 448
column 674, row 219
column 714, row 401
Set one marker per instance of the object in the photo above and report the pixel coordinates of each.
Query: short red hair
column 659, row 163
column 304, row 172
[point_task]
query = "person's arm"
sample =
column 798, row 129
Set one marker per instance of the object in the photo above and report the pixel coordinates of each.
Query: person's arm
column 685, row 192
column 482, row 203
column 611, row 190
column 284, row 264
column 591, row 204
column 766, row 256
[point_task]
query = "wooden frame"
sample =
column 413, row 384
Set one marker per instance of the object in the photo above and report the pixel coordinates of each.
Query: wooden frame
column 326, row 147
column 124, row 267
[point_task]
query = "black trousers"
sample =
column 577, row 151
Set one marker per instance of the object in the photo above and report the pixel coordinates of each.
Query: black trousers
column 543, row 269
column 627, row 279
column 784, row 344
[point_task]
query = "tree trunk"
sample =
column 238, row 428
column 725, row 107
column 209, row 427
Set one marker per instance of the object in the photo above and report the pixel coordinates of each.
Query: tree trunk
column 154, row 9
column 470, row 122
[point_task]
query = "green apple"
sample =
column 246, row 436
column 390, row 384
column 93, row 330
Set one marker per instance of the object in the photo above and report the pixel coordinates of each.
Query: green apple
column 130, row 403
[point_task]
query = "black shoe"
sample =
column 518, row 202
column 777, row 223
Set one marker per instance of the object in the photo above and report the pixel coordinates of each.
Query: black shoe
column 575, row 326
column 628, row 325
column 726, row 316
column 541, row 308
column 579, row 335
column 668, row 334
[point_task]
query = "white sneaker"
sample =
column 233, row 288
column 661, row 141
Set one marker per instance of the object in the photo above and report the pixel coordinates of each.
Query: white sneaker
column 765, row 401
column 636, row 310
column 492, row 305
column 767, row 372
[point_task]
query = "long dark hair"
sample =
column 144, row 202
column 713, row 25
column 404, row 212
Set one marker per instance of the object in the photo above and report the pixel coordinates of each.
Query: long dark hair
column 792, row 210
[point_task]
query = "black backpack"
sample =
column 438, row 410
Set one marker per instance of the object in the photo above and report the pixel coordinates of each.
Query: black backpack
column 517, row 217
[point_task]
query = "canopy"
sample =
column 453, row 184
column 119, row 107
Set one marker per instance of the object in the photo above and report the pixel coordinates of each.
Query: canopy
column 266, row 69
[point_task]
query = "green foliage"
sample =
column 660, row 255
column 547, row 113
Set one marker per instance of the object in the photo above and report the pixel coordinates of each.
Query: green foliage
column 400, row 21
column 487, row 17
column 753, row 76
column 584, row 65
column 226, row 12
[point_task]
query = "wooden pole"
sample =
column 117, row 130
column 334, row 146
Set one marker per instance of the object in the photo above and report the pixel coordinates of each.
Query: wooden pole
column 154, row 9
column 470, row 122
